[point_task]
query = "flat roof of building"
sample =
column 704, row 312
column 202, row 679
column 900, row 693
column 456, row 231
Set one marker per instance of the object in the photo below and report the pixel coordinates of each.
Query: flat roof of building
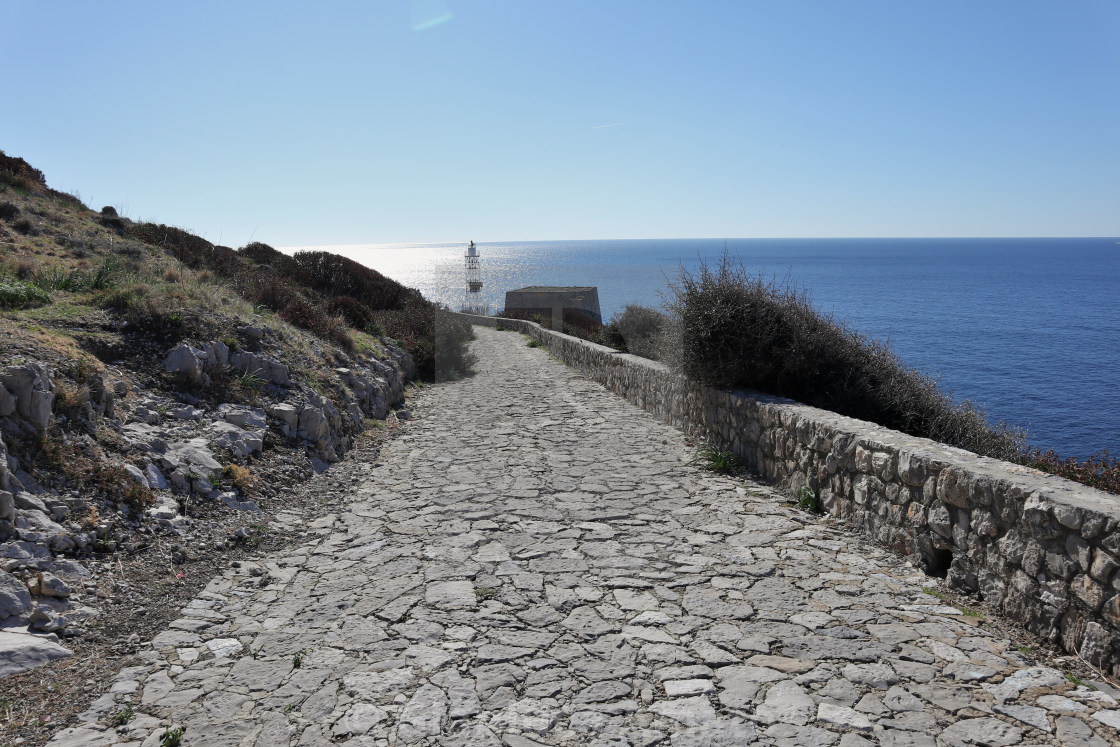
column 554, row 289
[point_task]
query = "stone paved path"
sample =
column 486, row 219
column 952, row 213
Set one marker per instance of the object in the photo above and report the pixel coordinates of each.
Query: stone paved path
column 536, row 562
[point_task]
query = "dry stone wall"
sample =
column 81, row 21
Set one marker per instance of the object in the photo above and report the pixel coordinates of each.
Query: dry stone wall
column 1043, row 550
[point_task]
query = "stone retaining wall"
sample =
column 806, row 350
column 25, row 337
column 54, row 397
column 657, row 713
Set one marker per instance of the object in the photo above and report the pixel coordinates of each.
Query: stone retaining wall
column 1042, row 549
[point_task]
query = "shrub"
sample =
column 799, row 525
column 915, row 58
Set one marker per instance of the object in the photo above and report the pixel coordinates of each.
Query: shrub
column 452, row 345
column 8, row 211
column 1100, row 470
column 642, row 330
column 333, row 275
column 301, row 313
column 437, row 340
column 109, row 210
column 24, row 226
column 113, row 223
column 740, row 331
column 19, row 174
column 356, row 314
column 18, row 294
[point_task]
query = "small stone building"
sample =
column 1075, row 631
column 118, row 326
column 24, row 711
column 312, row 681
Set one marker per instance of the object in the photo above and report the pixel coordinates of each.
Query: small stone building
column 552, row 301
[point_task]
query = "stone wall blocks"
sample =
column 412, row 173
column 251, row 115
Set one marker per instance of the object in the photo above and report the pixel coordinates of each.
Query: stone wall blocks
column 929, row 490
column 1067, row 515
column 865, row 487
column 916, row 515
column 992, row 586
column 1054, row 596
column 912, row 469
column 1111, row 610
column 1103, row 566
column 961, row 536
column 1092, row 524
column 1111, row 542
column 844, row 446
column 1080, row 551
column 1059, row 565
column 894, row 494
column 953, row 487
column 984, row 523
column 962, row 574
column 1096, row 645
column 981, row 491
column 1088, row 591
column 1012, row 546
column 1033, row 556
column 1072, row 627
column 885, row 465
column 940, row 520
column 895, row 515
column 863, row 459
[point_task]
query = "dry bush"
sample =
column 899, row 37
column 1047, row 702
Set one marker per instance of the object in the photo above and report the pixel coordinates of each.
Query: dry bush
column 172, row 276
column 241, row 477
column 742, row 331
column 89, row 474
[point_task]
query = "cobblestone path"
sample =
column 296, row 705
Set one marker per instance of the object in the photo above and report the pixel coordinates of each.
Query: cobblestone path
column 537, row 562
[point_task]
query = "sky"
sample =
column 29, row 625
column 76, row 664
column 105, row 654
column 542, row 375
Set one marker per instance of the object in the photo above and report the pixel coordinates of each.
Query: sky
column 499, row 120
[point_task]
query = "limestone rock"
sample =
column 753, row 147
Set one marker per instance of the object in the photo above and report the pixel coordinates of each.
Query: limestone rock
column 21, row 651
column 30, row 396
column 15, row 599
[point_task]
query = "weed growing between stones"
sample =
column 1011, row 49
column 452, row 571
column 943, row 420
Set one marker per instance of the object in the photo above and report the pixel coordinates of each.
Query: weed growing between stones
column 123, row 716
column 172, row 737
column 808, row 501
column 718, row 459
column 534, row 344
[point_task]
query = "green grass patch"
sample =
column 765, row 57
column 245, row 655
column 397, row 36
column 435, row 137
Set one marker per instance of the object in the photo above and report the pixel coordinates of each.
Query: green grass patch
column 19, row 294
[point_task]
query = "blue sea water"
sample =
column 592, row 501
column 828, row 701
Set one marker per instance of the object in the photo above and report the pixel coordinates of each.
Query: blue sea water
column 1028, row 328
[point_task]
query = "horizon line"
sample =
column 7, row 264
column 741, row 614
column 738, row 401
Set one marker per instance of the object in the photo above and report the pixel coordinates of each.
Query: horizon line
column 387, row 244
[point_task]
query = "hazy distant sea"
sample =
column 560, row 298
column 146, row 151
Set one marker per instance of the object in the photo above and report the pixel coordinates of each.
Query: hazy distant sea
column 1030, row 328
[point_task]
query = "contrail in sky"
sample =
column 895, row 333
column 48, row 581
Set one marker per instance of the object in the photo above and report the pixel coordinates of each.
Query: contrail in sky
column 599, row 127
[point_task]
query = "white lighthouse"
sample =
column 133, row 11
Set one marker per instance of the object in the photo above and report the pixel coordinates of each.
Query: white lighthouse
column 473, row 300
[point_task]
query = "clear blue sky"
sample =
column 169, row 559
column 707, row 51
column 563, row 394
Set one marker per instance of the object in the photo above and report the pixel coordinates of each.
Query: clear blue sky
column 444, row 120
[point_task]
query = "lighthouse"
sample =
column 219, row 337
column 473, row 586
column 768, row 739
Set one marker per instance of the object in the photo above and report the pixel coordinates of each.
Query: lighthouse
column 473, row 300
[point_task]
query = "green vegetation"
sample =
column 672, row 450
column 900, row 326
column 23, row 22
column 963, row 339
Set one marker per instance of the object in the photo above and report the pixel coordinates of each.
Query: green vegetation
column 163, row 280
column 718, row 459
column 172, row 737
column 123, row 716
column 18, row 294
column 1101, row 470
column 807, row 500
column 744, row 332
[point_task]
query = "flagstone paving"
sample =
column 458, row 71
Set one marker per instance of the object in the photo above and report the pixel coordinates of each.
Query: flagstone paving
column 537, row 562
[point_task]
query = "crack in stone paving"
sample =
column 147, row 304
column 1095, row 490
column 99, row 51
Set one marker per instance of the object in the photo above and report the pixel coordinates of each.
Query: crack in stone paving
column 537, row 562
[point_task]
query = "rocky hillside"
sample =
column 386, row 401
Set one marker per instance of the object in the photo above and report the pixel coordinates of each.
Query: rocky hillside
column 160, row 397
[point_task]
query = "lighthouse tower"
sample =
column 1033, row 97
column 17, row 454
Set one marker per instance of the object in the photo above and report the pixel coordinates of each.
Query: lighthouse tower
column 473, row 302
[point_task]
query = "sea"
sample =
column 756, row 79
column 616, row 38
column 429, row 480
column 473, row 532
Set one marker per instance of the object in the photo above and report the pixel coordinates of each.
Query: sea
column 1027, row 328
